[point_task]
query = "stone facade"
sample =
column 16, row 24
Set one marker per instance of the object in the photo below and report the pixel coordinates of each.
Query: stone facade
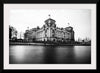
column 49, row 32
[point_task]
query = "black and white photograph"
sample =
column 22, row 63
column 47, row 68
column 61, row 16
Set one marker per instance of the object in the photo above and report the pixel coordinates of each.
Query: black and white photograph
column 50, row 34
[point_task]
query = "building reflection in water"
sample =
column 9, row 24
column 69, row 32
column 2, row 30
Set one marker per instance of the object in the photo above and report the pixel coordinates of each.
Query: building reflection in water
column 49, row 54
column 65, row 54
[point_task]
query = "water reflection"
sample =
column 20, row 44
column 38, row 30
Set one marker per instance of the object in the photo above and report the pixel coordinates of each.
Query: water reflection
column 21, row 54
column 50, row 54
column 26, row 54
column 82, row 54
column 65, row 54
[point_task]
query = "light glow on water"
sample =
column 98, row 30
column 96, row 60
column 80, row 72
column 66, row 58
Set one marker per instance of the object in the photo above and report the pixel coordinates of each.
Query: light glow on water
column 82, row 53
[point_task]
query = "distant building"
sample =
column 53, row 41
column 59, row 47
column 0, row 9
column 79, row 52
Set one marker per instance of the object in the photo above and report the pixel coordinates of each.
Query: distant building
column 49, row 32
column 30, row 35
column 12, row 33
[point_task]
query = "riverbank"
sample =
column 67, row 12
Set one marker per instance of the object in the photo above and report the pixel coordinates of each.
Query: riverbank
column 37, row 44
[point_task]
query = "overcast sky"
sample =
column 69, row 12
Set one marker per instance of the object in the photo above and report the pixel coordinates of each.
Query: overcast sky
column 80, row 20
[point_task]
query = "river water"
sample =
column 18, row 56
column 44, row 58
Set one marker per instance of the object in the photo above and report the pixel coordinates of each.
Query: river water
column 28, row 54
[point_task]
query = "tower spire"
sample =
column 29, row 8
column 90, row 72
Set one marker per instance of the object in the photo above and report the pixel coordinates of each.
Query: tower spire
column 27, row 28
column 20, row 35
column 68, row 24
column 49, row 16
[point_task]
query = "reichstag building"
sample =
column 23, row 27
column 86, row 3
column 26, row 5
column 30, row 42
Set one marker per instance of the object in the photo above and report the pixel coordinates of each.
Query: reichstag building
column 50, row 32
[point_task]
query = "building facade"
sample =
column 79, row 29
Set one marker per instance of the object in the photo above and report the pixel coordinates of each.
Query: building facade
column 50, row 32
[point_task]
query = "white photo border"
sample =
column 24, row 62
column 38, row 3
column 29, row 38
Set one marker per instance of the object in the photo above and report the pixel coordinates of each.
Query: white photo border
column 8, row 7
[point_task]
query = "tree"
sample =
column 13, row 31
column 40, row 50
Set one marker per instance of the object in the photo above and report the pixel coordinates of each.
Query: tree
column 10, row 32
column 38, row 27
